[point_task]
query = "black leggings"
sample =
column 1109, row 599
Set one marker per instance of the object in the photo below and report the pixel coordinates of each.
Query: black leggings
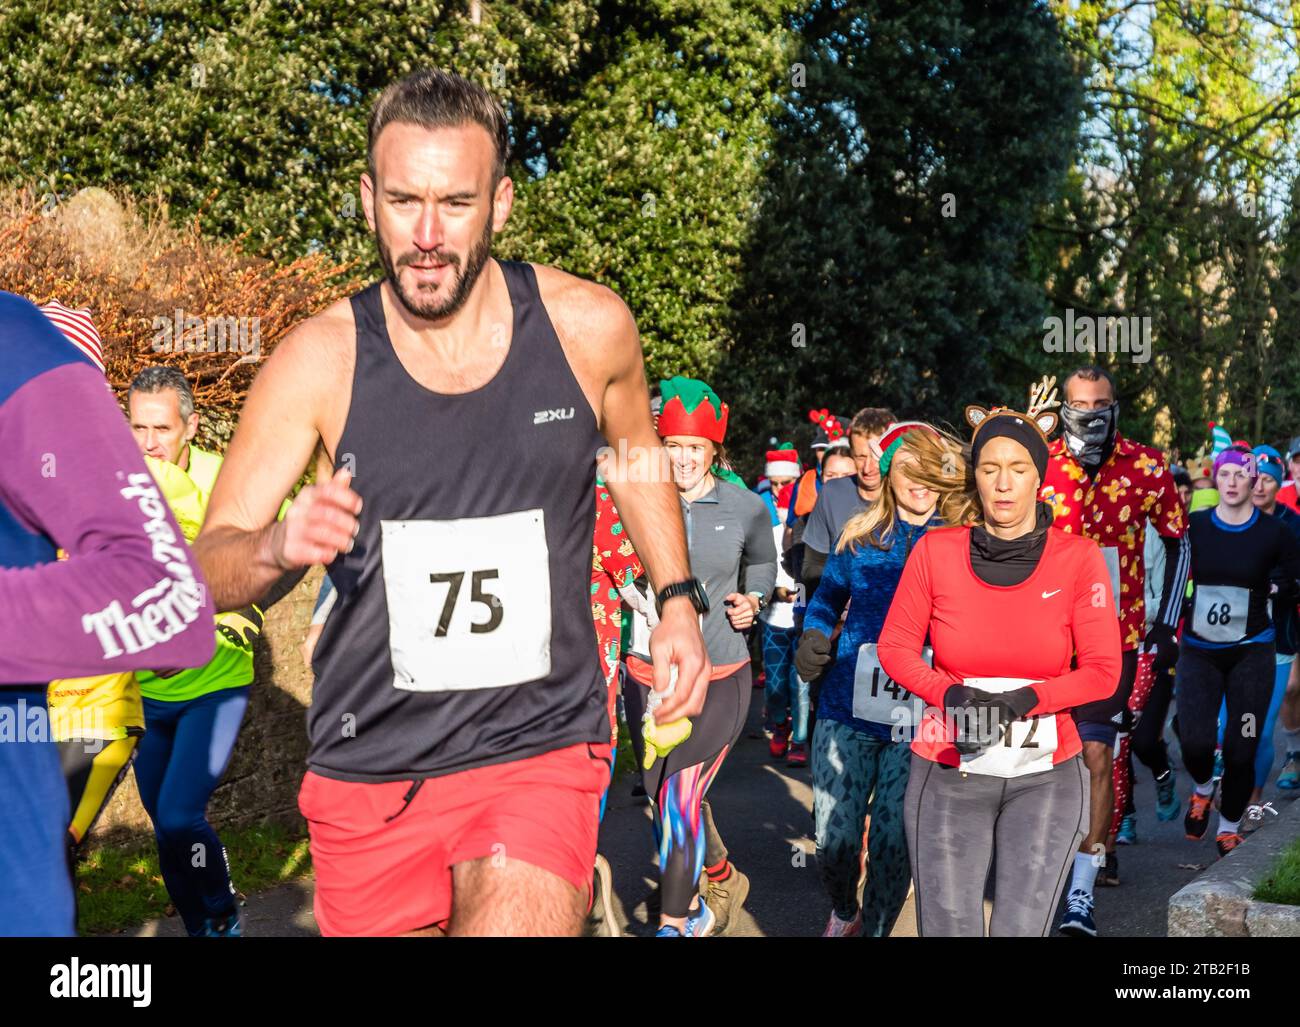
column 1244, row 674
column 677, row 784
column 1148, row 738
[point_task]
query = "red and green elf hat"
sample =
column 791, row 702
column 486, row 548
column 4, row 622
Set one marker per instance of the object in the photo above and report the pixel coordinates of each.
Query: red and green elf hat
column 893, row 438
column 690, row 407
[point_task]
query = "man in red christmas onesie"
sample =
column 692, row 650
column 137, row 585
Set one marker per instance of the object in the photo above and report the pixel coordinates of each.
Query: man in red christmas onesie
column 1106, row 487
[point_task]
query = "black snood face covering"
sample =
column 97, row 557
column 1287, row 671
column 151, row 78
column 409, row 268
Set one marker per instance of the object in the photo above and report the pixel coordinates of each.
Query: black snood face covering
column 1089, row 433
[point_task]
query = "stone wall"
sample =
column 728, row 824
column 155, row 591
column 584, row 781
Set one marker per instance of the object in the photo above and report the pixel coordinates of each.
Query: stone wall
column 261, row 783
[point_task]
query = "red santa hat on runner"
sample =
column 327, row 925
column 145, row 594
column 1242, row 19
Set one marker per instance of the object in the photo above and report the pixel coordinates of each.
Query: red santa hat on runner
column 782, row 463
column 79, row 329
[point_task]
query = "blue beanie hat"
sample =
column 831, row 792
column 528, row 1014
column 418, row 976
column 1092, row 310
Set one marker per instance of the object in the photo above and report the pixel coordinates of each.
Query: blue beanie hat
column 1269, row 461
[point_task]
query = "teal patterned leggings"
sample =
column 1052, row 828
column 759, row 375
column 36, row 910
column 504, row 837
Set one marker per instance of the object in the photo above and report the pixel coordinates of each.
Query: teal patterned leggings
column 853, row 776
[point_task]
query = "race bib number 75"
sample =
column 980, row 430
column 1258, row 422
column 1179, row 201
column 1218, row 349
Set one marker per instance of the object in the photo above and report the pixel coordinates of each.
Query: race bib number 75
column 469, row 601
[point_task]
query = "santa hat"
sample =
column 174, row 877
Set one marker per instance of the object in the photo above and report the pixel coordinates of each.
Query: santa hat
column 79, row 328
column 690, row 407
column 782, row 463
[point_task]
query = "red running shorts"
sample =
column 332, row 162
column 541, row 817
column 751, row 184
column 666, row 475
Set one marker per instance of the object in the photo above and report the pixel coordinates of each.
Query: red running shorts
column 383, row 864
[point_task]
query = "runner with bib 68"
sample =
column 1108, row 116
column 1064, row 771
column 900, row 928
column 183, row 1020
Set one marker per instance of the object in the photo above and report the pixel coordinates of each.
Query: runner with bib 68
column 1228, row 643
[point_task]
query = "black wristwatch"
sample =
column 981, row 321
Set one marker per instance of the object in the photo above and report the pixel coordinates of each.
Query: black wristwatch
column 690, row 587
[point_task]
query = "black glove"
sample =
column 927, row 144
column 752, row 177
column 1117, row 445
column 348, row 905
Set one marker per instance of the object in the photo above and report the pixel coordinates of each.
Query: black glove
column 813, row 655
column 1164, row 643
column 1011, row 705
column 982, row 718
column 958, row 704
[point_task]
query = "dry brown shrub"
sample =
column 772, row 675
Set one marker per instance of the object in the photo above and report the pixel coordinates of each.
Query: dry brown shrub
column 128, row 265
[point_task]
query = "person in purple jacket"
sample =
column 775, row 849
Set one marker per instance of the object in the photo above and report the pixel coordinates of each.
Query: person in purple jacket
column 129, row 596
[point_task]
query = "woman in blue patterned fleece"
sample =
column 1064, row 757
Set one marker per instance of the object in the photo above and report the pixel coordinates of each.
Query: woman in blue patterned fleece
column 860, row 747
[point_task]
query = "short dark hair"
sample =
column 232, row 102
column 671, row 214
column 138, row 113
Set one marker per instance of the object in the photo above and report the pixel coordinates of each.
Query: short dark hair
column 159, row 377
column 1091, row 373
column 871, row 421
column 432, row 98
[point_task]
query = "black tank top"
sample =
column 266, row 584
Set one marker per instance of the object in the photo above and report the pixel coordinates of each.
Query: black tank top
column 462, row 635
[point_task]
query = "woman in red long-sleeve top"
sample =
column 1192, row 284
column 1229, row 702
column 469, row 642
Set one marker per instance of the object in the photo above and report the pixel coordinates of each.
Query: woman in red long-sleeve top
column 1022, row 624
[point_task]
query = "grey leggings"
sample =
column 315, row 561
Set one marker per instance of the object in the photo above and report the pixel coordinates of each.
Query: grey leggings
column 956, row 823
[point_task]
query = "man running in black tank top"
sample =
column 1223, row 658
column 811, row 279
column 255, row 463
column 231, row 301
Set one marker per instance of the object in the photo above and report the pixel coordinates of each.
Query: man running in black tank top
column 459, row 741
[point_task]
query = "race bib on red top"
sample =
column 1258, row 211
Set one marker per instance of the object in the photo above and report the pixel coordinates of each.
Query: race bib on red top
column 1027, row 746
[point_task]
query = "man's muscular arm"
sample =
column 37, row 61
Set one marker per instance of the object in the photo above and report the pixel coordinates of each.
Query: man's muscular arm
column 242, row 548
column 639, row 478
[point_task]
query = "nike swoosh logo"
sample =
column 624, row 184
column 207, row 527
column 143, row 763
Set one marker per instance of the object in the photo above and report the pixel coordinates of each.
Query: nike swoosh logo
column 1048, row 595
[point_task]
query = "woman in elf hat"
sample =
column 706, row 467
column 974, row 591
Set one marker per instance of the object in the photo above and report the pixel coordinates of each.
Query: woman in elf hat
column 1023, row 628
column 729, row 537
column 860, row 756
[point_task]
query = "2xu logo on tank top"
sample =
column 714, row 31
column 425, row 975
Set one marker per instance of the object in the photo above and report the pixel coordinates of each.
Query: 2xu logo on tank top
column 462, row 632
column 1027, row 747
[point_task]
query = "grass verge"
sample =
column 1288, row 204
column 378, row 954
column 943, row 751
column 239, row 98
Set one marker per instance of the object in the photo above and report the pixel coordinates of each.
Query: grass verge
column 1283, row 881
column 119, row 888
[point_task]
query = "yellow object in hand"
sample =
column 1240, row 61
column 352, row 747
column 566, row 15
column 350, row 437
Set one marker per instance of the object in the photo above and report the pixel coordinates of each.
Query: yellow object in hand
column 661, row 739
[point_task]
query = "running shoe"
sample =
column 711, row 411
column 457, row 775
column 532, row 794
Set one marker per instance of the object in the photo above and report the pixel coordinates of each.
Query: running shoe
column 668, row 931
column 1218, row 764
column 702, row 924
column 600, row 921
column 231, row 927
column 1078, row 922
column 837, row 928
column 1167, row 804
column 797, row 756
column 1227, row 842
column 1127, row 833
column 780, row 742
column 725, row 897
column 1109, row 874
column 1289, row 779
column 1198, row 816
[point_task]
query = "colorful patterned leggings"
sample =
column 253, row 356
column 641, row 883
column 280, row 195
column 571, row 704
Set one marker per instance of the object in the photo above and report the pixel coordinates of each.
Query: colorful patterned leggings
column 678, row 783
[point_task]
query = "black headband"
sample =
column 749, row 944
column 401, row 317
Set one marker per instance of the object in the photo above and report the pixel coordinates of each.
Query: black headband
column 1012, row 426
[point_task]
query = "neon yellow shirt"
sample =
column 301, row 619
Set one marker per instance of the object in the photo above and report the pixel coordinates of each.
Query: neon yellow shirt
column 187, row 494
